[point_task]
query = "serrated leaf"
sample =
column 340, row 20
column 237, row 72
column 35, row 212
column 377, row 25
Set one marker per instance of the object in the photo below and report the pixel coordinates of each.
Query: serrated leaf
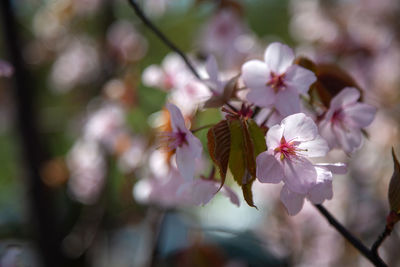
column 247, row 141
column 248, row 194
column 237, row 157
column 394, row 186
column 258, row 137
column 219, row 145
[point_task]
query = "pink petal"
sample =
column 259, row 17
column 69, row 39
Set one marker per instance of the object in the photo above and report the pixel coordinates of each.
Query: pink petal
column 293, row 201
column 274, row 136
column 187, row 154
column 198, row 191
column 6, row 69
column 233, row 197
column 264, row 97
column 287, row 102
column 326, row 131
column 347, row 96
column 299, row 127
column 322, row 190
column 279, row 57
column 269, row 170
column 153, row 76
column 185, row 162
column 212, row 69
column 255, row 74
column 359, row 115
column 177, row 121
column 314, row 148
column 335, row 168
column 349, row 139
column 300, row 174
column 299, row 79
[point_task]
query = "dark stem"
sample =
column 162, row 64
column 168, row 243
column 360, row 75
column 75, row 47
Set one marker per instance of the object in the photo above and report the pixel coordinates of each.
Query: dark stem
column 380, row 240
column 163, row 38
column 40, row 200
column 374, row 258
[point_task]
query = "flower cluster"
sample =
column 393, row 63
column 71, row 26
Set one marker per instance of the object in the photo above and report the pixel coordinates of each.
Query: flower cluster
column 279, row 86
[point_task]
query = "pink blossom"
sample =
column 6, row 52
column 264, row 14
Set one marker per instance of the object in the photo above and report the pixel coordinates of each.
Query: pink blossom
column 342, row 123
column 6, row 70
column 188, row 147
column 289, row 145
column 225, row 36
column 277, row 82
column 166, row 76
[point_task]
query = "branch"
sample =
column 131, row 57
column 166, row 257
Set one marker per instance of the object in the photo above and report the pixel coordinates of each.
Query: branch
column 169, row 43
column 372, row 257
column 386, row 232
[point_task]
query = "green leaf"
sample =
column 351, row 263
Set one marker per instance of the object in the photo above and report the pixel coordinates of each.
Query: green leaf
column 219, row 145
column 248, row 194
column 237, row 158
column 247, row 141
column 258, row 137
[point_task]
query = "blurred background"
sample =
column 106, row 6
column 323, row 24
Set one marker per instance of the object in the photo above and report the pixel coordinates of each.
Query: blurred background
column 77, row 133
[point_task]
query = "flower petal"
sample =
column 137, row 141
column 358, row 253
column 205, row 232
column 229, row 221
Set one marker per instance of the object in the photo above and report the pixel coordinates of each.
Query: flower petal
column 317, row 147
column 233, row 197
column 293, row 201
column 322, row 190
column 299, row 79
column 255, row 74
column 274, row 136
column 299, row 127
column 326, row 131
column 287, row 102
column 187, row 154
column 264, row 97
column 359, row 115
column 198, row 191
column 212, row 69
column 349, row 139
column 269, row 170
column 300, row 174
column 335, row 168
column 347, row 96
column 177, row 121
column 278, row 57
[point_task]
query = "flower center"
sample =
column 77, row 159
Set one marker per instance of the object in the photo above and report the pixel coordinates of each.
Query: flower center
column 173, row 140
column 276, row 81
column 287, row 150
column 337, row 116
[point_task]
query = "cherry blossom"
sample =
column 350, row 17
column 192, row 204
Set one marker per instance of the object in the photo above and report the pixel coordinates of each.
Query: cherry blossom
column 188, row 147
column 277, row 82
column 173, row 76
column 342, row 123
column 289, row 145
column 6, row 70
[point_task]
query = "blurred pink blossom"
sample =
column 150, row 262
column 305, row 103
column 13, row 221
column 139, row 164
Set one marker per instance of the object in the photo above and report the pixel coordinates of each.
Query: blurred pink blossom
column 188, row 147
column 277, row 82
column 6, row 70
column 226, row 37
column 343, row 122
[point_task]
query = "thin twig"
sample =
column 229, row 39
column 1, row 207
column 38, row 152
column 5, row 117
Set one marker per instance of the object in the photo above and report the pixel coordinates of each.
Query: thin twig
column 202, row 127
column 374, row 258
column 380, row 240
column 163, row 38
